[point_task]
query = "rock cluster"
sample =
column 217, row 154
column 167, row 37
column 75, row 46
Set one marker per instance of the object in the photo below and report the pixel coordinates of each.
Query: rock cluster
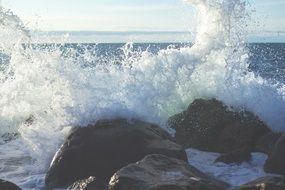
column 123, row 154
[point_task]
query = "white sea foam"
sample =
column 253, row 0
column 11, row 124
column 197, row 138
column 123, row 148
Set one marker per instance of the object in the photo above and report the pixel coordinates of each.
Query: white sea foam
column 233, row 174
column 58, row 92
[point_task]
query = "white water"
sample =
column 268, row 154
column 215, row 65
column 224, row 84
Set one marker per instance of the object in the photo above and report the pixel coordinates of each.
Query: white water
column 233, row 174
column 60, row 92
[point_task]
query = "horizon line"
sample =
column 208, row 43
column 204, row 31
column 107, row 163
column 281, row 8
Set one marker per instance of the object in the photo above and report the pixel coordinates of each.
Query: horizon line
column 139, row 31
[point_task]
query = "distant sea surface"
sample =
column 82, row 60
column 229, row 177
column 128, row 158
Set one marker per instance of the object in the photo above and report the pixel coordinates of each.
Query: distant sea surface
column 142, row 36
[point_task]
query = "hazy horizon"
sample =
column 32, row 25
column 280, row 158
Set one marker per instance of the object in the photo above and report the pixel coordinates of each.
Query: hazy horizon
column 142, row 36
column 134, row 16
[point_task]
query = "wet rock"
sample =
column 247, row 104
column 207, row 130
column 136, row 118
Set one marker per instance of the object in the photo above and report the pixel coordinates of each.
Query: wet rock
column 267, row 142
column 90, row 183
column 104, row 148
column 30, row 120
column 6, row 185
column 276, row 160
column 209, row 125
column 159, row 172
column 236, row 156
column 264, row 183
column 7, row 137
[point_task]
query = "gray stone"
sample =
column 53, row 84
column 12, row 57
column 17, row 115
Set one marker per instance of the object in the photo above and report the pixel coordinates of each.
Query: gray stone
column 267, row 142
column 6, row 185
column 276, row 160
column 209, row 125
column 90, row 183
column 264, row 183
column 236, row 156
column 159, row 172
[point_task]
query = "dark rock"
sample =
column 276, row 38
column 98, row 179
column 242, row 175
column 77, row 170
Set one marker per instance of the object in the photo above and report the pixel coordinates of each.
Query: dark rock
column 6, row 185
column 276, row 160
column 267, row 142
column 236, row 156
column 264, row 183
column 104, row 148
column 89, row 184
column 159, row 172
column 7, row 137
column 209, row 125
column 30, row 120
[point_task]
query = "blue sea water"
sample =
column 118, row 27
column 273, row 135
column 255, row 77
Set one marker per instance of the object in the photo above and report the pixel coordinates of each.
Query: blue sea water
column 268, row 60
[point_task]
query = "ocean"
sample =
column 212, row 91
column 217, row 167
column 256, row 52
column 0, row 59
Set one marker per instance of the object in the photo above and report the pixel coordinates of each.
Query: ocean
column 46, row 89
column 57, row 95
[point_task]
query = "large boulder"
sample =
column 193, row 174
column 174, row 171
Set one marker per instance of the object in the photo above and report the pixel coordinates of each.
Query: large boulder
column 102, row 149
column 264, row 183
column 6, row 185
column 209, row 125
column 276, row 160
column 159, row 172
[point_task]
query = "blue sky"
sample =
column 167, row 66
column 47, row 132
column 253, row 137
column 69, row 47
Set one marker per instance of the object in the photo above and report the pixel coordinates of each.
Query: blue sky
column 103, row 15
column 137, row 15
column 270, row 14
column 129, row 15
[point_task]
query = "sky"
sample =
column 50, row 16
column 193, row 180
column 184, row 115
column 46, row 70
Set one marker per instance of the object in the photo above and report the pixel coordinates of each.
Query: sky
column 102, row 15
column 130, row 15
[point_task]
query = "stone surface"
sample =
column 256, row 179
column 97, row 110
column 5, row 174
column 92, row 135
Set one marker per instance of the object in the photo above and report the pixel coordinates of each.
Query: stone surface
column 90, row 183
column 209, row 125
column 267, row 142
column 6, row 185
column 236, row 156
column 104, row 148
column 7, row 137
column 159, row 172
column 264, row 183
column 276, row 160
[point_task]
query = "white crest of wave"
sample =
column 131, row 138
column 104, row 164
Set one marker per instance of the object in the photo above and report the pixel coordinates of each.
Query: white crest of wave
column 13, row 31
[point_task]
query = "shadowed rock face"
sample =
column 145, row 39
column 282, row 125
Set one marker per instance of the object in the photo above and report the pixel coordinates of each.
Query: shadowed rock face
column 264, row 183
column 237, row 156
column 6, row 185
column 158, row 172
column 209, row 125
column 102, row 149
column 267, row 142
column 276, row 160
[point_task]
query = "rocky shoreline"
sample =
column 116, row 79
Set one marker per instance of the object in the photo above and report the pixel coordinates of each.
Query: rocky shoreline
column 123, row 154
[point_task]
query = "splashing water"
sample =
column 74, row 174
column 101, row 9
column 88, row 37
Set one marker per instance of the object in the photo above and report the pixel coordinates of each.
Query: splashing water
column 44, row 92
